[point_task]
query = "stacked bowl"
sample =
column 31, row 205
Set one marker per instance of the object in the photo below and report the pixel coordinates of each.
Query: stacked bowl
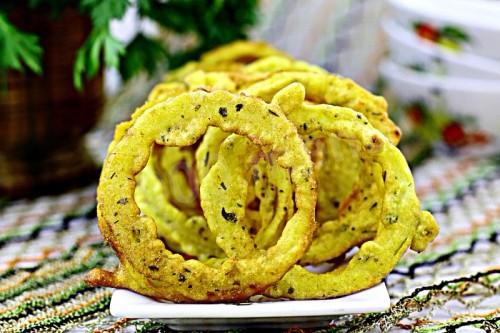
column 444, row 57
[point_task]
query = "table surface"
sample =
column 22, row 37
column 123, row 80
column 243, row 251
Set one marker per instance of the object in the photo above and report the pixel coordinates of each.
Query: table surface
column 48, row 244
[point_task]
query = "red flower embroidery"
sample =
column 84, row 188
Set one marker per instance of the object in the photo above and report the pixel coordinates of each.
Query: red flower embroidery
column 454, row 134
column 427, row 31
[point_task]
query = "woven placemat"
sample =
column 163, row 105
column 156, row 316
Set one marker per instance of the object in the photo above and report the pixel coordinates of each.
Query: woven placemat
column 47, row 245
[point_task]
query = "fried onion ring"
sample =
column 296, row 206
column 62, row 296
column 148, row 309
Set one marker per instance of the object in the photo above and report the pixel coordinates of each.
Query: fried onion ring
column 334, row 90
column 399, row 221
column 146, row 266
column 183, row 234
column 232, row 57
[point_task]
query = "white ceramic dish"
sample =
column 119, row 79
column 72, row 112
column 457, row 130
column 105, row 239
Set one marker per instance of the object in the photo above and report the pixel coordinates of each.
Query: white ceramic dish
column 471, row 97
column 479, row 19
column 407, row 49
column 273, row 314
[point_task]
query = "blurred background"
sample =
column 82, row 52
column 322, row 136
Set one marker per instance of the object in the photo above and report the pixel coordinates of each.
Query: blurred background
column 70, row 70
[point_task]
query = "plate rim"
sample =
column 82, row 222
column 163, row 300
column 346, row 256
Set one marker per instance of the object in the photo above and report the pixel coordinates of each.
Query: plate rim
column 304, row 308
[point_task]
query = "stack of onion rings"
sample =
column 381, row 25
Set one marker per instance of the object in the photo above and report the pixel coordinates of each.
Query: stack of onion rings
column 208, row 193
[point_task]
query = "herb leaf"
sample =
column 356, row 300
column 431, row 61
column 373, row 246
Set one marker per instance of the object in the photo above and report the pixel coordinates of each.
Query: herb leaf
column 142, row 53
column 211, row 22
column 18, row 49
column 103, row 11
column 88, row 56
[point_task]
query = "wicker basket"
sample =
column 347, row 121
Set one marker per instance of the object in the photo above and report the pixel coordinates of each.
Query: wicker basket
column 43, row 118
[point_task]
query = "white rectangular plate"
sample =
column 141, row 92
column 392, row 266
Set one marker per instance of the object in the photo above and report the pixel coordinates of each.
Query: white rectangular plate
column 275, row 314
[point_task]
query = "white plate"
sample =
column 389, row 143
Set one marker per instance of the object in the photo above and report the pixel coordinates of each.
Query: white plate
column 273, row 314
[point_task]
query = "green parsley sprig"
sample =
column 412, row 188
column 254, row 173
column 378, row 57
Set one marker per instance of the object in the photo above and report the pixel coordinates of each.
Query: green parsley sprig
column 212, row 22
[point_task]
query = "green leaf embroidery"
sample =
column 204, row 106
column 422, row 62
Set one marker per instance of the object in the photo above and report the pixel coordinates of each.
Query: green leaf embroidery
column 454, row 33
